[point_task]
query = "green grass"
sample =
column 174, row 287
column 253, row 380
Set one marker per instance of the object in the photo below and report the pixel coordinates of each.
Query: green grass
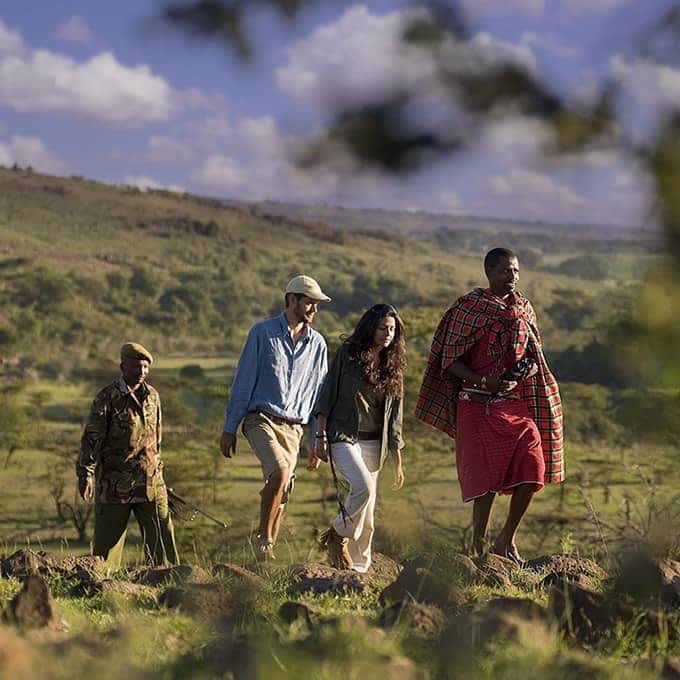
column 85, row 266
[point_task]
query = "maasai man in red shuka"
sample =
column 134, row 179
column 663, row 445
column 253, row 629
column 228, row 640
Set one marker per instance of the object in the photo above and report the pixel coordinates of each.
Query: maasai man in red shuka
column 487, row 384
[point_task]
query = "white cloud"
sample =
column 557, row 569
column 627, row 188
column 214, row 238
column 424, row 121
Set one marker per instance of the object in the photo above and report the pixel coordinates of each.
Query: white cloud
column 608, row 159
column 513, row 138
column 482, row 51
column 362, row 59
column 538, row 195
column 145, row 182
column 448, row 202
column 650, row 91
column 502, row 173
column 31, row 151
column 100, row 90
column 10, row 41
column 162, row 149
column 75, row 29
column 221, row 174
column 358, row 58
column 549, row 43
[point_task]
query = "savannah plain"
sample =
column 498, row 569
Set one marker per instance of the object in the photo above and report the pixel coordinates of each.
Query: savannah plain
column 86, row 266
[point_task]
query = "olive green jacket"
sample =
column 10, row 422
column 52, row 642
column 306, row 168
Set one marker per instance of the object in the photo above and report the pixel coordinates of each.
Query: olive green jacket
column 337, row 402
column 121, row 445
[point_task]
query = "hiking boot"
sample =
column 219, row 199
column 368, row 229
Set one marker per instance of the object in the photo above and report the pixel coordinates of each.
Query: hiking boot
column 264, row 549
column 337, row 546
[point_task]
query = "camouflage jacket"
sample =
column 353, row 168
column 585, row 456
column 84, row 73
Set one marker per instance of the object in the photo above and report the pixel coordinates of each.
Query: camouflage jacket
column 121, row 445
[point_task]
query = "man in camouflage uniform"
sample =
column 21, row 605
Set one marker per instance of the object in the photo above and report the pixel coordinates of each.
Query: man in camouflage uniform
column 120, row 463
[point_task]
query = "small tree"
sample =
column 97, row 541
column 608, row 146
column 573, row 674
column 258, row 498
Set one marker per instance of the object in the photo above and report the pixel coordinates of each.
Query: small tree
column 77, row 512
column 16, row 429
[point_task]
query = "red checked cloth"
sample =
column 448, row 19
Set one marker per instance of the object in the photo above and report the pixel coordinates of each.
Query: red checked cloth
column 470, row 318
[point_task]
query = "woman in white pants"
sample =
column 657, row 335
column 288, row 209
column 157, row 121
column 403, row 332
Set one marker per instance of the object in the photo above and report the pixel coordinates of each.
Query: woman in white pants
column 359, row 414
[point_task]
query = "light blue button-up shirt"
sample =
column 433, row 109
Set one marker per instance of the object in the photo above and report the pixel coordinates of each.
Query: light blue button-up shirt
column 276, row 375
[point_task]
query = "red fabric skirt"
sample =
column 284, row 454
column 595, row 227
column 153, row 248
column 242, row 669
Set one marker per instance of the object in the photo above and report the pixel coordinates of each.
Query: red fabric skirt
column 498, row 447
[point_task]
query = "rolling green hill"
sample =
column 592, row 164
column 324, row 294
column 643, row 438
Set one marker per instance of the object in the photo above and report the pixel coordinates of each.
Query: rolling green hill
column 85, row 265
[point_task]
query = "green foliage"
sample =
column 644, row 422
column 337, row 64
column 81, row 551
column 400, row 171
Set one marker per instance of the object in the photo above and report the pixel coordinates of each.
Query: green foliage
column 595, row 363
column 197, row 273
column 588, row 414
column 16, row 428
column 192, row 372
column 650, row 415
column 592, row 267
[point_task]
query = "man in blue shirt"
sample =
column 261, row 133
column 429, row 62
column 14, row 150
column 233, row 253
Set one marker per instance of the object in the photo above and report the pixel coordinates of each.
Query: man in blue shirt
column 278, row 378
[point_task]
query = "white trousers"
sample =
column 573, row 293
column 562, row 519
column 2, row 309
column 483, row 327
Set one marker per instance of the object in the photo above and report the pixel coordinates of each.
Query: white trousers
column 359, row 464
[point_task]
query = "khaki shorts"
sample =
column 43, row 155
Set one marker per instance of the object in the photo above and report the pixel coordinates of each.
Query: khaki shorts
column 274, row 441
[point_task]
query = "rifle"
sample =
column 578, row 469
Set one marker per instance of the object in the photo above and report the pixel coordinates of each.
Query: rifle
column 174, row 496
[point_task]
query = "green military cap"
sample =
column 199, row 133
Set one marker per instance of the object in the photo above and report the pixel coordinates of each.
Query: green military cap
column 133, row 350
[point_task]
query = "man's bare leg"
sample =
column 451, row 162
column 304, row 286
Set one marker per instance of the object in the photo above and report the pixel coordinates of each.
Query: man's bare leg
column 481, row 514
column 270, row 504
column 277, row 522
column 505, row 543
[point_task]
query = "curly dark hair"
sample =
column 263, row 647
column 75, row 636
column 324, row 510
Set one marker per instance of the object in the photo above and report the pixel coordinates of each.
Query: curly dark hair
column 389, row 373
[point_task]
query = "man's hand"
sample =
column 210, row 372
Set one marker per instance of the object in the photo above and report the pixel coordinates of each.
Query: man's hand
column 498, row 385
column 86, row 487
column 228, row 444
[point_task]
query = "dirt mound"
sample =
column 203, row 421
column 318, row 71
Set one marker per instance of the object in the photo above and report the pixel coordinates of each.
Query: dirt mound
column 319, row 578
column 33, row 606
column 24, row 562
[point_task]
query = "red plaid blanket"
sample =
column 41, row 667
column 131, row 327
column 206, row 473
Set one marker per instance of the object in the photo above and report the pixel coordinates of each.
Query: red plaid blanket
column 461, row 327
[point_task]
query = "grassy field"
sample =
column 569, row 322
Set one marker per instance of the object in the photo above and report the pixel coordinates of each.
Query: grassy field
column 85, row 267
column 612, row 492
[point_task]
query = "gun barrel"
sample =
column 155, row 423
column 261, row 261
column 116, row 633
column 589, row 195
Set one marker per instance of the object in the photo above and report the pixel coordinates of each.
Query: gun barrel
column 193, row 506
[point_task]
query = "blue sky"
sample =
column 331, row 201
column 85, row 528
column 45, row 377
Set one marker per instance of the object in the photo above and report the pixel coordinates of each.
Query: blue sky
column 104, row 91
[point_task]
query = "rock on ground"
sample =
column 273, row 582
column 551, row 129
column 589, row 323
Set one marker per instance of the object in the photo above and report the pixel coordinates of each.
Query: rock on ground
column 33, row 606
column 417, row 616
column 209, row 600
column 292, row 611
column 24, row 562
column 319, row 578
column 158, row 576
column 555, row 569
column 84, row 567
column 383, row 570
column 649, row 580
column 241, row 573
column 422, row 585
column 90, row 588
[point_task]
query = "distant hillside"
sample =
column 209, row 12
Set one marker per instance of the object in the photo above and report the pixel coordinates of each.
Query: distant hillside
column 84, row 266
column 425, row 225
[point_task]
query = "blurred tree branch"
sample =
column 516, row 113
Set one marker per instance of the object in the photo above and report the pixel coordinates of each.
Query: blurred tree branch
column 467, row 86
column 472, row 86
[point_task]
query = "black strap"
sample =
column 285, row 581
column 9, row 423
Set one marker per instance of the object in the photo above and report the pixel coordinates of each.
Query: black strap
column 343, row 510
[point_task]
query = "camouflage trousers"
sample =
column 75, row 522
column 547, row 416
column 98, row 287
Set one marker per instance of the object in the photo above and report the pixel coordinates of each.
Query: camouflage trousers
column 155, row 523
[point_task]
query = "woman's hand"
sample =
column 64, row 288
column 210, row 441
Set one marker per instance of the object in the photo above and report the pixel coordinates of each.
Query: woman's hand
column 313, row 461
column 398, row 471
column 320, row 449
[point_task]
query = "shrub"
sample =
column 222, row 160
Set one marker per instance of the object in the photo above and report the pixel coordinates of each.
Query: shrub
column 192, row 372
column 593, row 267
